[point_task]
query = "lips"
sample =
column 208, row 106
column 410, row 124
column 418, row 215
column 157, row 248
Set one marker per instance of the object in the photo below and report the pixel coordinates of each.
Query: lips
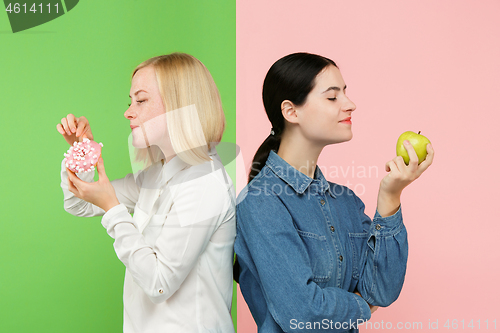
column 346, row 120
column 132, row 126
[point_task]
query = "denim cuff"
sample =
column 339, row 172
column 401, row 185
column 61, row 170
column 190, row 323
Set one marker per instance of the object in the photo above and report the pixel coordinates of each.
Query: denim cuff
column 364, row 308
column 387, row 225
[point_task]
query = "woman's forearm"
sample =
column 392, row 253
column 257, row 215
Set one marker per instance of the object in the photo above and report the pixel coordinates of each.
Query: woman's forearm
column 388, row 203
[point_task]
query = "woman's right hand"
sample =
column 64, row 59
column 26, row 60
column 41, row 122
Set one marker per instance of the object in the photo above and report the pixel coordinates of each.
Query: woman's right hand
column 74, row 129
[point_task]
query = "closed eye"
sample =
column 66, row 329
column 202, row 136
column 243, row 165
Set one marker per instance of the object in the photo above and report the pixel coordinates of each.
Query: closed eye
column 332, row 99
column 137, row 102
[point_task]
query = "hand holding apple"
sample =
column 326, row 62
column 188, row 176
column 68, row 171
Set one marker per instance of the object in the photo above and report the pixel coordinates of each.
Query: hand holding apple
column 419, row 143
column 401, row 175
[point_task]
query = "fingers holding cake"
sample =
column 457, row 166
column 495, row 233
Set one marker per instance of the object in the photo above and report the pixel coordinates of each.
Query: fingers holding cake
column 74, row 129
column 100, row 193
column 83, row 129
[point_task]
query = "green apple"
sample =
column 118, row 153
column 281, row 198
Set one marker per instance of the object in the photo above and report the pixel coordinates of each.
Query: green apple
column 419, row 143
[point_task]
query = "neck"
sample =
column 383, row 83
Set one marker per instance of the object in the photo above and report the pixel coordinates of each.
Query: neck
column 166, row 158
column 300, row 153
column 166, row 148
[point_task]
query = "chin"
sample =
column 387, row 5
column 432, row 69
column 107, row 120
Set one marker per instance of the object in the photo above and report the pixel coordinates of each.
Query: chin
column 139, row 144
column 341, row 139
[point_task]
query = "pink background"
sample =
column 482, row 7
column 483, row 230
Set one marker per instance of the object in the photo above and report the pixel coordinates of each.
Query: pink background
column 430, row 66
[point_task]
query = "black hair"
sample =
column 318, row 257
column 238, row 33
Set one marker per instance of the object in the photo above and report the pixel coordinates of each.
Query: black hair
column 290, row 78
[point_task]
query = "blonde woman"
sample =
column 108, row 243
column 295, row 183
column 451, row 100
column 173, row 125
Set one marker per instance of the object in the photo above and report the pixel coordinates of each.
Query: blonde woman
column 178, row 245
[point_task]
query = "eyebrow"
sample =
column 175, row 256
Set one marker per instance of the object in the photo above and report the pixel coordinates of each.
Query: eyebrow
column 138, row 91
column 333, row 88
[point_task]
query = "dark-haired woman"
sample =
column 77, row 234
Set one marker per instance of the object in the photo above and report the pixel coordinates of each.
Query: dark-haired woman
column 309, row 258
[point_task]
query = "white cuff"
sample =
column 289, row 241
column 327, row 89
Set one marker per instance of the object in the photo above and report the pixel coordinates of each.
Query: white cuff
column 119, row 213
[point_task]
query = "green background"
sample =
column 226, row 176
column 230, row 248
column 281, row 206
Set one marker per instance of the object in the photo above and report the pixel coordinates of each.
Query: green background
column 59, row 273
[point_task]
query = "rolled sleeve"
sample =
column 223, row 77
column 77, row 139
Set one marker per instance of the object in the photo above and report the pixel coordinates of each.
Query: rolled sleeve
column 386, row 226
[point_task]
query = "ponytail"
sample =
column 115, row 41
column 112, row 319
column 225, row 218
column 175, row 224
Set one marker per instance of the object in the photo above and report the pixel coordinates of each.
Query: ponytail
column 272, row 142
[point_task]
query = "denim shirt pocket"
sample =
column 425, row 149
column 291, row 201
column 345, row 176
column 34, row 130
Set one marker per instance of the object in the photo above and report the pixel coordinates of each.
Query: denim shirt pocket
column 359, row 249
column 320, row 255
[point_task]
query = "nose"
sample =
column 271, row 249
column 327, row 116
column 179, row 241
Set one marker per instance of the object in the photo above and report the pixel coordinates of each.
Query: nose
column 129, row 114
column 349, row 105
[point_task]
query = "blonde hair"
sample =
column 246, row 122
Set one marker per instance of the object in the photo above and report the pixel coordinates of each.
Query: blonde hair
column 198, row 122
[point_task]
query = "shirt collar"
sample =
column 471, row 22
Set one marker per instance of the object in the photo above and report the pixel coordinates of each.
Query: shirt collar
column 296, row 179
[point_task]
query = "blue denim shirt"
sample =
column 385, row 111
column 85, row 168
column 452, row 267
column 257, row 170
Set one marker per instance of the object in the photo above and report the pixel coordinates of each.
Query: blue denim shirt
column 305, row 245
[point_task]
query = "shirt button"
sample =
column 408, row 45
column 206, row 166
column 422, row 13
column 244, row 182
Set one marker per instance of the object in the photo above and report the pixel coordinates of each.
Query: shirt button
column 160, row 291
column 378, row 227
column 341, row 258
column 332, row 228
column 322, row 202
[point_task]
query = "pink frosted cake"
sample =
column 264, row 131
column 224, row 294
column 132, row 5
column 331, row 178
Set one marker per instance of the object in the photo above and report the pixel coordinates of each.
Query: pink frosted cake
column 83, row 156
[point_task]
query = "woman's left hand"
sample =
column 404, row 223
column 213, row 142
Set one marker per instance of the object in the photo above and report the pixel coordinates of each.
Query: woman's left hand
column 401, row 175
column 100, row 193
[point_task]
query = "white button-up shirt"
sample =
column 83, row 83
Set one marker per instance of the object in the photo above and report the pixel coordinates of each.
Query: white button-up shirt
column 177, row 247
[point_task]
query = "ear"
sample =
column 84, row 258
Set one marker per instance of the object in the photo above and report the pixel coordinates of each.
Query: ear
column 288, row 111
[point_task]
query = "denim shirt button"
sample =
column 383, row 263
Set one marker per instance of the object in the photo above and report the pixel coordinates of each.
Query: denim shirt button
column 332, row 228
column 322, row 202
column 341, row 258
column 378, row 227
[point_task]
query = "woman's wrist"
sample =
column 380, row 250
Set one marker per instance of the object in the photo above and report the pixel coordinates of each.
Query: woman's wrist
column 388, row 203
column 110, row 204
